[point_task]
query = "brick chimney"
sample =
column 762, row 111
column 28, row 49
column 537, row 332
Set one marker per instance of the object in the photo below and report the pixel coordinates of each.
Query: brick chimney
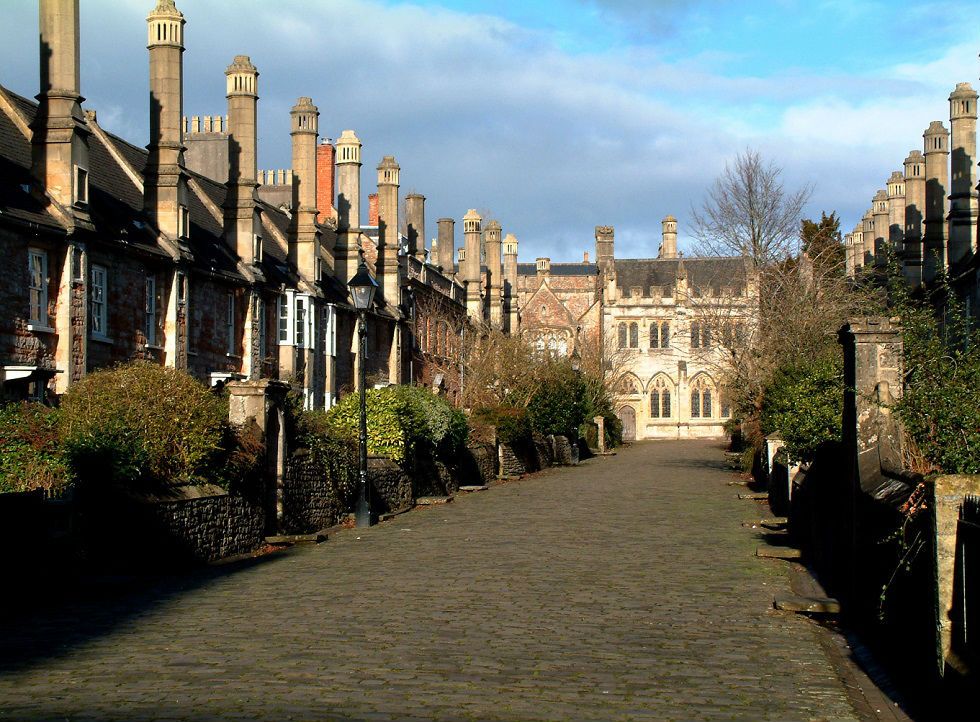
column 585, row 257
column 326, row 158
column 372, row 209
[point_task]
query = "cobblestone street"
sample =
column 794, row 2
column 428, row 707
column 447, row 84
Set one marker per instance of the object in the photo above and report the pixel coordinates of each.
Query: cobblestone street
column 623, row 589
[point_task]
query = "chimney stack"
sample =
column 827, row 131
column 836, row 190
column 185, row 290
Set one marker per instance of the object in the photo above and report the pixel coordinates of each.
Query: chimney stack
column 915, row 201
column 471, row 264
column 668, row 248
column 388, row 243
column 59, row 143
column 326, row 156
column 447, row 245
column 604, row 246
column 494, row 273
column 241, row 218
column 304, row 239
column 936, row 142
column 963, row 195
column 415, row 210
column 372, row 209
column 348, row 160
column 510, row 283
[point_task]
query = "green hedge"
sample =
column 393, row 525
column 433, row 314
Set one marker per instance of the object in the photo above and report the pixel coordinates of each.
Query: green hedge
column 31, row 456
column 399, row 419
column 511, row 422
column 804, row 402
column 141, row 423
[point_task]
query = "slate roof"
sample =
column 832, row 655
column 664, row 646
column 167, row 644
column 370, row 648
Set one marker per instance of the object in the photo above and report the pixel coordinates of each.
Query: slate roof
column 560, row 269
column 715, row 273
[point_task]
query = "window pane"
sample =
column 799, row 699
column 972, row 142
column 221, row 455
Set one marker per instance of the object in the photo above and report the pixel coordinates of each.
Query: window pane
column 706, row 404
column 665, row 336
column 654, row 336
column 666, row 403
column 695, row 405
column 634, row 335
column 655, row 404
column 695, row 335
column 622, row 335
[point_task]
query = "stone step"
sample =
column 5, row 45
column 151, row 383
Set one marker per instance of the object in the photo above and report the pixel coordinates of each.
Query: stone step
column 754, row 497
column 469, row 489
column 738, row 483
column 281, row 539
column 807, row 605
column 432, row 500
column 778, row 553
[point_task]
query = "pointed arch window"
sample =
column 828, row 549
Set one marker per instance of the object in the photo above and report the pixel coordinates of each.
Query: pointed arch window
column 634, row 335
column 701, row 399
column 665, row 334
column 622, row 335
column 660, row 399
column 654, row 335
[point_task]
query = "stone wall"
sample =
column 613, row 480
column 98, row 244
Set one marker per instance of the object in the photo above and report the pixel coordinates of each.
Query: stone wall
column 391, row 487
column 312, row 500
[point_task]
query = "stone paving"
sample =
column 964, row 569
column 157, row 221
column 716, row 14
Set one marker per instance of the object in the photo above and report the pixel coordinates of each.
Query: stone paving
column 622, row 589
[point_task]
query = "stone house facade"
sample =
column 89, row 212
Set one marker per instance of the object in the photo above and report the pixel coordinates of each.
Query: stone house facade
column 184, row 253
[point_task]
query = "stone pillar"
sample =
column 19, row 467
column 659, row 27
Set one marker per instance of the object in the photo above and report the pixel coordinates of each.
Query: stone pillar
column 471, row 267
column 495, row 284
column 241, row 210
column 857, row 247
column 849, row 254
column 304, row 238
column 348, row 205
column 415, row 220
column 600, row 422
column 915, row 202
column 668, row 247
column 263, row 404
column 604, row 247
column 511, row 319
column 963, row 176
column 868, row 237
column 447, row 245
column 388, row 241
column 936, row 141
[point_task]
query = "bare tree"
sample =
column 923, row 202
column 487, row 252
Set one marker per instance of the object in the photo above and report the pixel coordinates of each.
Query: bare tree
column 749, row 213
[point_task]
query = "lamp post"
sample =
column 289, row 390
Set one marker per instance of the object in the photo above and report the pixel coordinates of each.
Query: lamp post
column 362, row 289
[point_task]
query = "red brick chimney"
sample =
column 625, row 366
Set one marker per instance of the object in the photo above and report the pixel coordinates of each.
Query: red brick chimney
column 373, row 209
column 585, row 258
column 326, row 155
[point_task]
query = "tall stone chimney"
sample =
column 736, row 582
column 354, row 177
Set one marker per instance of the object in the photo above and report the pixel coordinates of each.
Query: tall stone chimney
column 415, row 210
column 326, row 156
column 849, row 254
column 604, row 246
column 963, row 179
column 491, row 239
column 668, row 248
column 936, row 142
column 868, row 237
column 879, row 206
column 915, row 201
column 241, row 217
column 348, row 205
column 471, row 264
column 510, row 283
column 895, row 234
column 857, row 246
column 304, row 241
column 164, row 188
column 388, row 243
column 447, row 245
column 59, row 144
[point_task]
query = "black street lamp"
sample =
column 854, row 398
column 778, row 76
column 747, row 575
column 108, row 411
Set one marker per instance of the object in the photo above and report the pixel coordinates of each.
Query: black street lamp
column 362, row 288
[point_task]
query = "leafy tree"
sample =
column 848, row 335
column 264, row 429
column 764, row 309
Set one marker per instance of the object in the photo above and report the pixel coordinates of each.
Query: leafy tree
column 821, row 240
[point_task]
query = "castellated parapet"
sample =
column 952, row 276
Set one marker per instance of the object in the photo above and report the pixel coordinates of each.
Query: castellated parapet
column 206, row 145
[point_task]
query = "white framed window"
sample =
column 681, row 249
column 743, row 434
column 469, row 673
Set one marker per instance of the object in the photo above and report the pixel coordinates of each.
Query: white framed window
column 81, row 185
column 286, row 319
column 183, row 222
column 150, row 311
column 300, row 333
column 37, row 284
column 230, row 322
column 257, row 248
column 98, row 301
column 330, row 337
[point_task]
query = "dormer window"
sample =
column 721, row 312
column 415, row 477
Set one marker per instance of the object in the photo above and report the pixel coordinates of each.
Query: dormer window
column 81, row 186
column 183, row 222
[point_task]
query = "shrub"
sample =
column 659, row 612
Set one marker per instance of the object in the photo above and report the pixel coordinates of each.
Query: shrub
column 940, row 405
column 512, row 422
column 30, row 453
column 803, row 401
column 399, row 419
column 144, row 423
column 559, row 405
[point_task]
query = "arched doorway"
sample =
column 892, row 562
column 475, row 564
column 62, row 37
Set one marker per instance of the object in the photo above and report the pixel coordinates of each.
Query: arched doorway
column 628, row 418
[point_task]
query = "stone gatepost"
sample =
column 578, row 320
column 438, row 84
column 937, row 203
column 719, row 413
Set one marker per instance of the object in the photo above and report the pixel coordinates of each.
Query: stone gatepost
column 871, row 435
column 263, row 403
column 600, row 421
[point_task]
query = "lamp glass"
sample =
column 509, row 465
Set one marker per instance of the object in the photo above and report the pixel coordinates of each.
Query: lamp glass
column 362, row 288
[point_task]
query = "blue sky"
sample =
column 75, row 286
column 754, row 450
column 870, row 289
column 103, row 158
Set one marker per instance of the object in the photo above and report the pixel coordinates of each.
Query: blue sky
column 558, row 115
